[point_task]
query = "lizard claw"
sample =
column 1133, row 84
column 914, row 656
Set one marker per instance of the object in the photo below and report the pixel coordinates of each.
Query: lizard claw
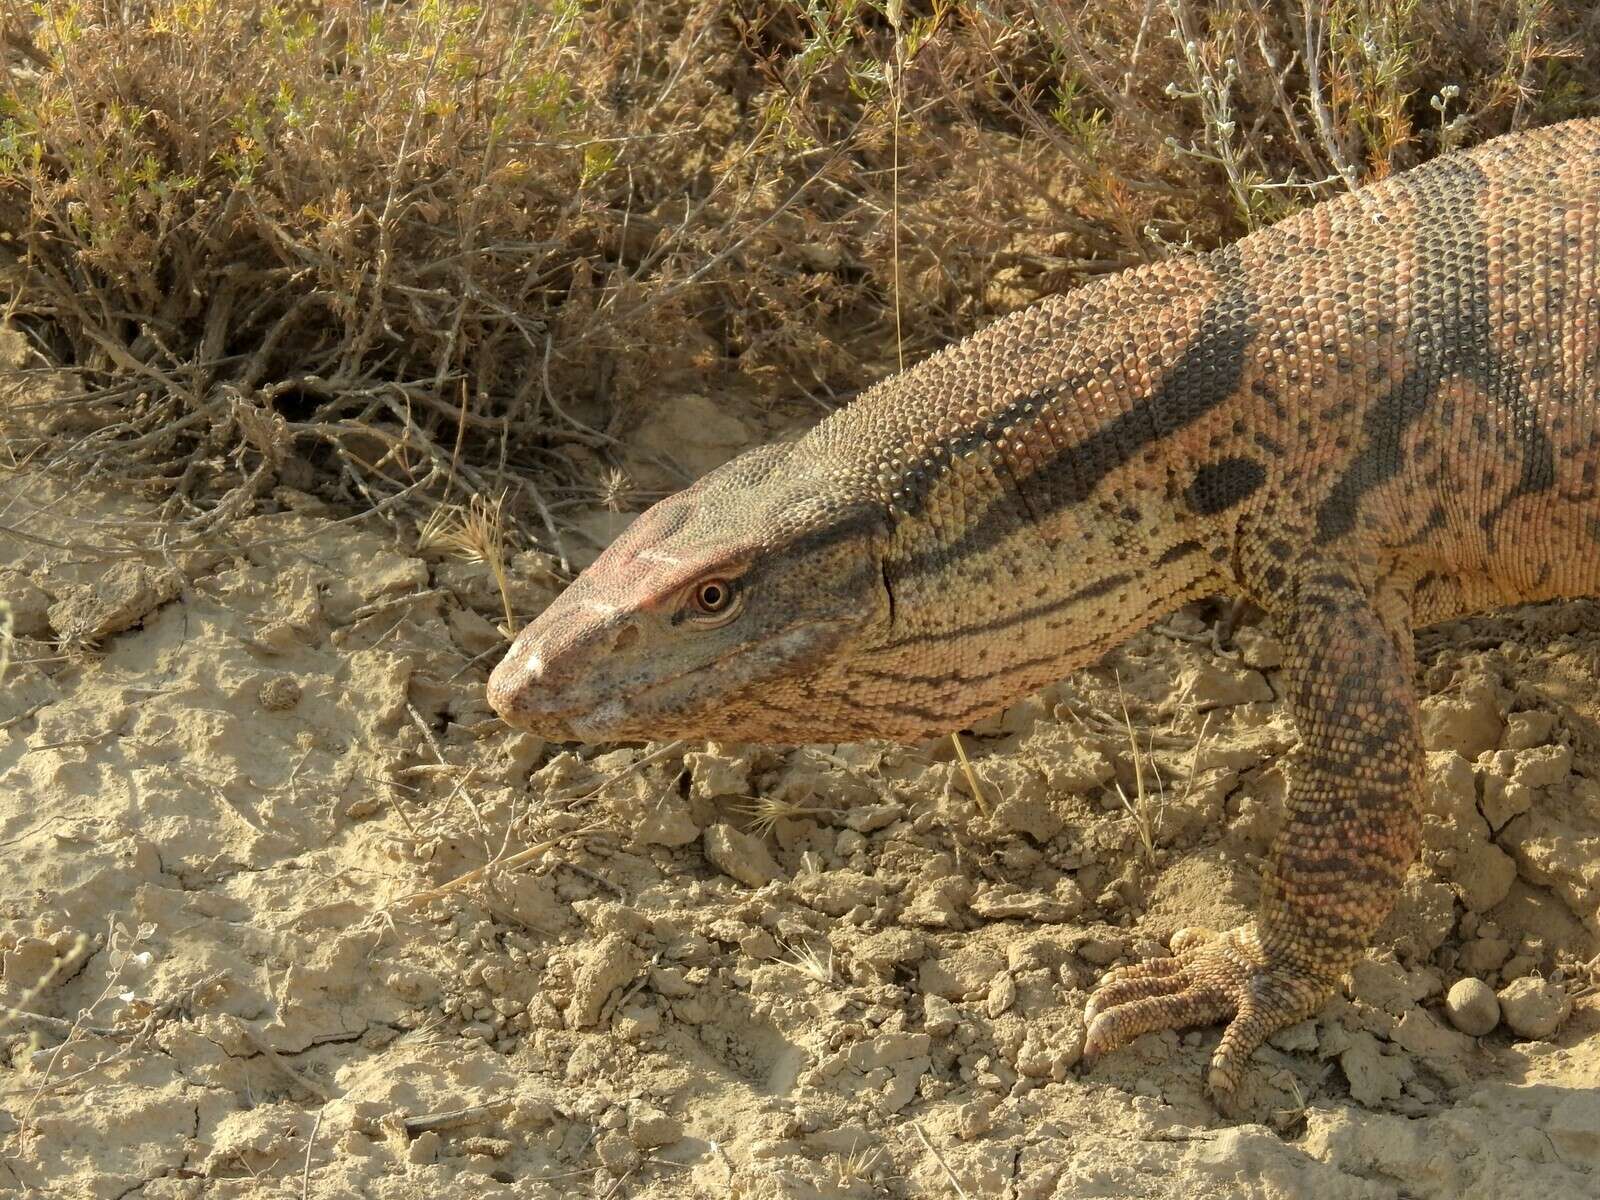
column 1209, row 977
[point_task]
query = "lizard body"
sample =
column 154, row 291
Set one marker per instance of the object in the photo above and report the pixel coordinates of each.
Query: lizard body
column 1381, row 412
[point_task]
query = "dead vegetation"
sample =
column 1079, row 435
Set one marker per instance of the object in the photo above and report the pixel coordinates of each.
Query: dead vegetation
column 398, row 254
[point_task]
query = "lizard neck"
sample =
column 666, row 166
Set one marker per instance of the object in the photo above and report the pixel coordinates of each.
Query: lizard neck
column 1041, row 508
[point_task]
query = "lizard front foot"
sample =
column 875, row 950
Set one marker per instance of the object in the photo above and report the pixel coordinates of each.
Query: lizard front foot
column 1208, row 978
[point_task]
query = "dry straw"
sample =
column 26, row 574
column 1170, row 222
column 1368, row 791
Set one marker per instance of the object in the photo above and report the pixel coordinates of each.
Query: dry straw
column 401, row 252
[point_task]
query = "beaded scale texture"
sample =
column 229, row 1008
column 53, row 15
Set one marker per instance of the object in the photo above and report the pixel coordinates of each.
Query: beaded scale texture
column 1379, row 413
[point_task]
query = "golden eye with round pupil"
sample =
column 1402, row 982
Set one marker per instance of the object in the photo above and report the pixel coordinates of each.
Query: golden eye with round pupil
column 713, row 596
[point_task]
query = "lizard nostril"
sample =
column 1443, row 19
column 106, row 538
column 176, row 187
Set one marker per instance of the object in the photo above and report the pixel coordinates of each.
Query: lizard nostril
column 627, row 636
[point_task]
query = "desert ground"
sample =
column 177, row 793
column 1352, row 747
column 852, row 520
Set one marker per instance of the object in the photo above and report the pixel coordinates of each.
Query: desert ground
column 288, row 911
column 337, row 335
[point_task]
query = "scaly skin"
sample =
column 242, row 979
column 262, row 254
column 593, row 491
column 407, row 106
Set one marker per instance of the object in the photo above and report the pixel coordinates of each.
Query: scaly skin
column 1379, row 413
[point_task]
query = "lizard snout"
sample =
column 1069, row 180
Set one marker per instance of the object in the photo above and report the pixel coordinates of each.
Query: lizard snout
column 545, row 684
column 514, row 683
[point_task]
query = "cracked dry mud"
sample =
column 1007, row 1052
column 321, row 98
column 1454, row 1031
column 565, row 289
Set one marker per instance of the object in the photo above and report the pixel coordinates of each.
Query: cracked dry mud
column 221, row 796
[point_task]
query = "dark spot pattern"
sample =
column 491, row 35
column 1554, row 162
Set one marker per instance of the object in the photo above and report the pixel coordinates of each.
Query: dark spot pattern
column 1219, row 486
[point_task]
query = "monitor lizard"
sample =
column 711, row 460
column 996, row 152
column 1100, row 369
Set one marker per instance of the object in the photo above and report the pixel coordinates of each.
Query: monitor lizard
column 1380, row 412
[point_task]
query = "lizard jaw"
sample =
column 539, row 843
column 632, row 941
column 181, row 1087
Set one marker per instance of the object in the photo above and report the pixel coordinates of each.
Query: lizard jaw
column 631, row 709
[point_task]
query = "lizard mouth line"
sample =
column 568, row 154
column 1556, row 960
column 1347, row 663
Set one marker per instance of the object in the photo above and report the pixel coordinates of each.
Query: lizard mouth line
column 578, row 718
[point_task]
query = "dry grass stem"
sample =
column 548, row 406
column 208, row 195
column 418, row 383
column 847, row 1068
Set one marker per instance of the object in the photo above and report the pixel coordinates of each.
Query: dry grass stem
column 444, row 246
column 857, row 1166
column 811, row 962
column 972, row 776
column 940, row 1159
column 766, row 811
column 475, row 533
column 510, row 862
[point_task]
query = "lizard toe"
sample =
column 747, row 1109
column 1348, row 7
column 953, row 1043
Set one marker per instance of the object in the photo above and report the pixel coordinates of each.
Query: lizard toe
column 1162, row 977
column 1210, row 977
column 1192, row 1004
column 1270, row 1000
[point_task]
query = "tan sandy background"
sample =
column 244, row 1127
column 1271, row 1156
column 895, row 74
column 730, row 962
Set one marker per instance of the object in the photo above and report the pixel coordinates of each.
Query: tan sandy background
column 237, row 782
column 286, row 912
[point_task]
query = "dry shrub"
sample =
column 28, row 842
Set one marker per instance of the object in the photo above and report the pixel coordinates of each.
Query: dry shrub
column 391, row 250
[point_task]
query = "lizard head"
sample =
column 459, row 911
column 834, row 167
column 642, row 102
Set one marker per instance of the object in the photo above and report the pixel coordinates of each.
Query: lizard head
column 720, row 612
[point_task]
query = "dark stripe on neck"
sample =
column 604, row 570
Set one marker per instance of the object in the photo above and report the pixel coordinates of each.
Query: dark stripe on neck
column 1204, row 377
column 1099, row 587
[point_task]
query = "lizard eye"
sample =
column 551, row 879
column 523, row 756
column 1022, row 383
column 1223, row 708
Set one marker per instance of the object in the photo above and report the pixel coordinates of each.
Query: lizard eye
column 714, row 598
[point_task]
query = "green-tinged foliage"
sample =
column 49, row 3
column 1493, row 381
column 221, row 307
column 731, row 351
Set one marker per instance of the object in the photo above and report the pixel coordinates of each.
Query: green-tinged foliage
column 410, row 240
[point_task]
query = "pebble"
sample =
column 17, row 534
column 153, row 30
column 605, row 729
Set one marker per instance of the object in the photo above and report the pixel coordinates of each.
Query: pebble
column 649, row 1127
column 874, row 817
column 1102, row 950
column 939, row 1016
column 424, row 1148
column 740, row 856
column 1534, row 1008
column 1002, row 994
column 616, row 1153
column 1472, row 1007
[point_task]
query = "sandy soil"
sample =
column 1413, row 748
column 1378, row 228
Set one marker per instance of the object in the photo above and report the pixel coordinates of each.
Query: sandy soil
column 235, row 784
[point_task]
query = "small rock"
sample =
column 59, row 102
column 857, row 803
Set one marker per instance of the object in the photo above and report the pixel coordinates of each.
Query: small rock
column 873, row 817
column 1525, row 730
column 1102, row 950
column 659, row 820
column 837, row 892
column 1543, row 766
column 424, row 1148
column 1025, row 805
column 1374, row 1077
column 966, row 972
column 1483, row 875
column 712, row 775
column 1069, row 763
column 902, row 1088
column 30, row 606
column 610, row 963
column 471, row 631
column 849, row 843
column 670, row 982
column 16, row 352
column 740, row 856
column 1210, row 686
column 1504, row 795
column 635, row 1023
column 1484, row 954
column 939, row 1016
column 649, row 1127
column 1002, row 994
column 1302, row 1035
column 1574, row 1125
column 889, row 948
column 1380, row 983
column 887, row 1049
column 1419, row 1034
column 1258, row 648
column 974, row 1120
column 691, row 433
column 123, row 596
column 616, row 1153
column 1472, row 1007
column 1534, row 1008
column 1517, row 966
column 937, row 905
column 1000, row 901
column 1469, row 723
